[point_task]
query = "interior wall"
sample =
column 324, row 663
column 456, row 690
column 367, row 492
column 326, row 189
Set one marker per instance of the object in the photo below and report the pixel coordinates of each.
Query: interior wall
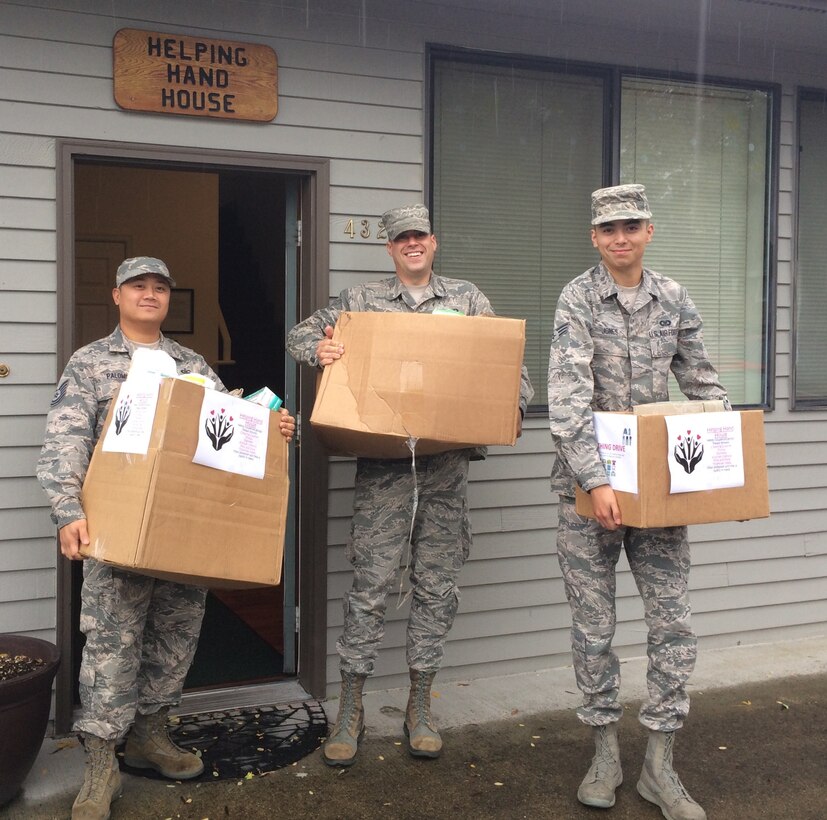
column 170, row 214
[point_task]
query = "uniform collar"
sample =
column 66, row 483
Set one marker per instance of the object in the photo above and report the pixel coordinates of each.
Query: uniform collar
column 398, row 287
column 117, row 344
column 606, row 285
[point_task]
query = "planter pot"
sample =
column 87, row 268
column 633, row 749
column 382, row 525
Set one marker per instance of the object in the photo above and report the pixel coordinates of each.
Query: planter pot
column 24, row 711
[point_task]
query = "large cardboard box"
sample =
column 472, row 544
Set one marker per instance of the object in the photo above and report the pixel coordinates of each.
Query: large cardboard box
column 162, row 515
column 448, row 381
column 654, row 506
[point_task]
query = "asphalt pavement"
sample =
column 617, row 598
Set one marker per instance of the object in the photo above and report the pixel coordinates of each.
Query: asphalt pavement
column 755, row 746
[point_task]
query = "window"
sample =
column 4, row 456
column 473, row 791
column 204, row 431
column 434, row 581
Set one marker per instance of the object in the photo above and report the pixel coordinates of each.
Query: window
column 516, row 153
column 701, row 152
column 518, row 150
column 810, row 293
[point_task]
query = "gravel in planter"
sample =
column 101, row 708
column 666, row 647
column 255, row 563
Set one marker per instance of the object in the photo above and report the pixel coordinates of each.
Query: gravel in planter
column 13, row 666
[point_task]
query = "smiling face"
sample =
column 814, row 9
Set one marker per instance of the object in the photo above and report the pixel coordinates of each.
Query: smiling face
column 143, row 303
column 621, row 245
column 413, row 255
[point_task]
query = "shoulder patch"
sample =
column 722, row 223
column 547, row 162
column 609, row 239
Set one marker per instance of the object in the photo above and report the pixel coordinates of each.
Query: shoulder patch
column 60, row 393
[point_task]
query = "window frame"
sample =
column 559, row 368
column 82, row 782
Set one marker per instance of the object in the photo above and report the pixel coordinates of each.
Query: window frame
column 613, row 76
column 810, row 94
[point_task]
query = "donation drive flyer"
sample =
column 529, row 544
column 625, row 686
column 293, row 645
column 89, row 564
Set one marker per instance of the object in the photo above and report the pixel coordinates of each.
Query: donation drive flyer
column 232, row 435
column 705, row 451
column 617, row 442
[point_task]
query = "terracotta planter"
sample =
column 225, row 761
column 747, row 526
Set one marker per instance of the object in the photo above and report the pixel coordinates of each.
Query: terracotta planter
column 24, row 711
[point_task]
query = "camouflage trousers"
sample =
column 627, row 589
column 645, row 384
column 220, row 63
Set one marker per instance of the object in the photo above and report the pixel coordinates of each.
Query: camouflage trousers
column 441, row 541
column 659, row 560
column 141, row 636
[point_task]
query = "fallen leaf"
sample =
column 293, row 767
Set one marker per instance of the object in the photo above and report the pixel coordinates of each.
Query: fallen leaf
column 782, row 704
column 533, row 746
column 746, row 703
column 435, row 695
column 301, row 774
column 249, row 776
column 515, row 711
column 722, row 748
column 381, row 757
column 67, row 743
column 536, row 737
column 497, row 783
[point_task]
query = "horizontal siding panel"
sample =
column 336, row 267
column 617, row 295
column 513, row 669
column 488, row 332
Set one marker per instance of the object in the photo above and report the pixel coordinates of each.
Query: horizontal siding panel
column 22, row 306
column 32, row 338
column 30, row 368
column 757, row 548
column 24, row 399
column 32, row 584
column 27, row 244
column 21, row 492
column 24, row 151
column 27, row 616
column 27, row 553
column 38, row 183
column 327, row 85
column 53, row 57
column 21, row 430
column 27, row 274
column 96, row 93
column 364, row 203
column 368, row 174
column 27, row 213
column 808, row 567
column 25, row 524
column 756, row 619
column 18, row 462
column 795, row 477
column 91, row 123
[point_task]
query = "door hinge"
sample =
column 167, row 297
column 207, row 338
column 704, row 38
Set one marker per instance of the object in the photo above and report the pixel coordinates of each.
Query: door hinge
column 297, row 436
column 298, row 618
column 298, row 233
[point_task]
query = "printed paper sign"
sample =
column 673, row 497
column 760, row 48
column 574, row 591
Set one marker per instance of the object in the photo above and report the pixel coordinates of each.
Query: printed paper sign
column 232, row 435
column 617, row 442
column 134, row 413
column 705, row 452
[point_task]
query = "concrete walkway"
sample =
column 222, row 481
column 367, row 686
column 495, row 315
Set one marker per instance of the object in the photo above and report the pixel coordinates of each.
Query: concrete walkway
column 755, row 746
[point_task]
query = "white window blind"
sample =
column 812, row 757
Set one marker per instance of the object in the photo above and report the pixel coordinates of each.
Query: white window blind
column 810, row 288
column 701, row 152
column 516, row 154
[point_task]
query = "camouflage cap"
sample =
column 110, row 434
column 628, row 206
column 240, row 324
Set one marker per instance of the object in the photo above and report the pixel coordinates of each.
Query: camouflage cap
column 406, row 218
column 138, row 266
column 620, row 202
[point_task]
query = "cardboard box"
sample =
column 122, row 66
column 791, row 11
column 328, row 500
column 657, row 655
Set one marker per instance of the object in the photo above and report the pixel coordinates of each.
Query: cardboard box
column 160, row 514
column 449, row 381
column 654, row 506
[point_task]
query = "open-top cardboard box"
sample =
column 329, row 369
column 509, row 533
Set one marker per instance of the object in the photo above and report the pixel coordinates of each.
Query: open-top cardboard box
column 654, row 506
column 448, row 381
column 162, row 515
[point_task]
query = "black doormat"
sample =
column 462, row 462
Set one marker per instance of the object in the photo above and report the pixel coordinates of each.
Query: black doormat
column 238, row 742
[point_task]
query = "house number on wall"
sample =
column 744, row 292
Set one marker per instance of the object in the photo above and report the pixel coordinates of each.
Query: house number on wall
column 363, row 229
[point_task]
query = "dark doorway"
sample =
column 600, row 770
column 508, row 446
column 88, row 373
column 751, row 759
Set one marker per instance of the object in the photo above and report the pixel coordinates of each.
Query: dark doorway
column 225, row 234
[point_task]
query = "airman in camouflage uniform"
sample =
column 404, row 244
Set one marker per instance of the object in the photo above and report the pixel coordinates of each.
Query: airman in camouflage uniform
column 618, row 331
column 381, row 525
column 141, row 632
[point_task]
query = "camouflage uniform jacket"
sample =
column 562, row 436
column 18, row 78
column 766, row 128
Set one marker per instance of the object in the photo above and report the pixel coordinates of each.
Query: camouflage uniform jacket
column 391, row 295
column 603, row 358
column 78, row 411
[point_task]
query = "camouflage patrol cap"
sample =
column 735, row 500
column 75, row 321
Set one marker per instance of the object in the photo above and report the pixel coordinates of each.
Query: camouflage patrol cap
column 406, row 218
column 138, row 266
column 620, row 202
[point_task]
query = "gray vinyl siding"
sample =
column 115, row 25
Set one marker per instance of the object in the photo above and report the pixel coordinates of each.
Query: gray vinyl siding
column 352, row 88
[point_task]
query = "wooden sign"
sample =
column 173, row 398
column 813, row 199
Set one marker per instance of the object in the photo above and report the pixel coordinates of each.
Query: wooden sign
column 172, row 74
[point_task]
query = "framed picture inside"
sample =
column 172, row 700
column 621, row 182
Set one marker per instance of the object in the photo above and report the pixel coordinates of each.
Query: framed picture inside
column 181, row 316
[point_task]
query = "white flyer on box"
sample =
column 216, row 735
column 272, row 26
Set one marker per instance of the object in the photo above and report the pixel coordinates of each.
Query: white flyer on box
column 705, row 451
column 134, row 413
column 617, row 442
column 232, row 435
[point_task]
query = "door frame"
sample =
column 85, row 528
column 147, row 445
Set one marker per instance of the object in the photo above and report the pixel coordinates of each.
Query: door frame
column 313, row 291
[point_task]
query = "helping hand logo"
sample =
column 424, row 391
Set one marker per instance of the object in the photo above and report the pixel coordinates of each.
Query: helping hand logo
column 122, row 414
column 689, row 451
column 219, row 428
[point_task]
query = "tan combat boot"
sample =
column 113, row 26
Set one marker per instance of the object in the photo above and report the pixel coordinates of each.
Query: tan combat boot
column 343, row 742
column 148, row 746
column 659, row 783
column 604, row 775
column 101, row 780
column 420, row 729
